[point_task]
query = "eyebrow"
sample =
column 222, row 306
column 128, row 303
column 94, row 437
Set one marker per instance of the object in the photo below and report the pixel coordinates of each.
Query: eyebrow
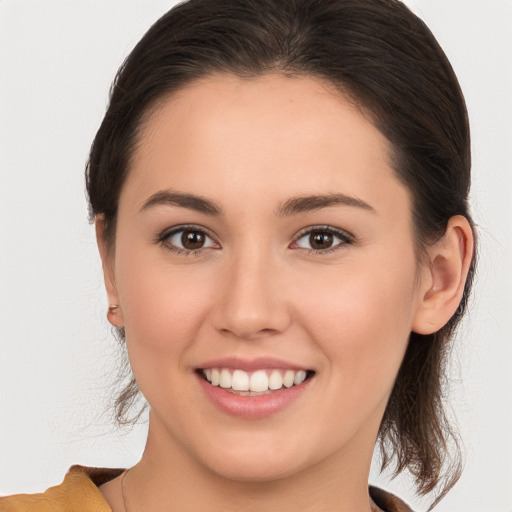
column 190, row 201
column 292, row 206
column 315, row 202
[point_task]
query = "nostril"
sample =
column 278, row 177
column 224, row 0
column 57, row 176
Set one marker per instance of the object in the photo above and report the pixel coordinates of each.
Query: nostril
column 247, row 334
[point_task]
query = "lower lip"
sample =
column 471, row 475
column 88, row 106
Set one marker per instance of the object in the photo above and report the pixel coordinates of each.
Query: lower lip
column 252, row 407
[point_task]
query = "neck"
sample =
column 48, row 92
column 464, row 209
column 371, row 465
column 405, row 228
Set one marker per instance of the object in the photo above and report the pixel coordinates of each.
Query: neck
column 169, row 478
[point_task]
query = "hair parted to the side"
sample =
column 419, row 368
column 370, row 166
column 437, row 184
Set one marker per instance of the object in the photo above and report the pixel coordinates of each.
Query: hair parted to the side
column 385, row 59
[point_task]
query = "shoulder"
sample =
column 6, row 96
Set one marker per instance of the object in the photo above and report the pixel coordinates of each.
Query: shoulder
column 387, row 502
column 77, row 493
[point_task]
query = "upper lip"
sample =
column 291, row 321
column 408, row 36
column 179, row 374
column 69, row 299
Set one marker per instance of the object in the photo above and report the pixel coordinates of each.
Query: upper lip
column 250, row 365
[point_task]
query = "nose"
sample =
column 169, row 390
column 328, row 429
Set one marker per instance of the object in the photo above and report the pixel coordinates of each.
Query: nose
column 252, row 301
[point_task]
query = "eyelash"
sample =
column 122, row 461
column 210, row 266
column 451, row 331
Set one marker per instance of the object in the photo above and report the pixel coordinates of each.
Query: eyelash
column 165, row 236
column 343, row 237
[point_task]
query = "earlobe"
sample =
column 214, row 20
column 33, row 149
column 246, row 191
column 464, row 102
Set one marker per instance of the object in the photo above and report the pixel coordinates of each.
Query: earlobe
column 114, row 312
column 445, row 278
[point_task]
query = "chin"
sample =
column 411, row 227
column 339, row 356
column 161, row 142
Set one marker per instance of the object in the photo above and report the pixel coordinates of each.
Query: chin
column 256, row 472
column 258, row 463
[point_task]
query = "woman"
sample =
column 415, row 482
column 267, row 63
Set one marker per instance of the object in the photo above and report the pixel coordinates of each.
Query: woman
column 280, row 197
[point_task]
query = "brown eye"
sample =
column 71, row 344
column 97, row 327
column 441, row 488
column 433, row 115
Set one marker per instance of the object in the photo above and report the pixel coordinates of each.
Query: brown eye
column 192, row 240
column 319, row 240
column 323, row 239
column 187, row 239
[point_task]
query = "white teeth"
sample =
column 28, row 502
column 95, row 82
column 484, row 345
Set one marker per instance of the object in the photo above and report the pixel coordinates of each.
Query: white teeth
column 260, row 381
column 240, row 381
column 300, row 377
column 288, row 378
column 215, row 377
column 225, row 379
column 276, row 380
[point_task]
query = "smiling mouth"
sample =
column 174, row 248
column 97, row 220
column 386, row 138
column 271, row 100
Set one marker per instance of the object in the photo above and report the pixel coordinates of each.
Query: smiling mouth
column 256, row 383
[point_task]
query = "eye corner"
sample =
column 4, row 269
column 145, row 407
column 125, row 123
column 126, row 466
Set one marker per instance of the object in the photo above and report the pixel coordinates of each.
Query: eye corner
column 172, row 239
column 335, row 238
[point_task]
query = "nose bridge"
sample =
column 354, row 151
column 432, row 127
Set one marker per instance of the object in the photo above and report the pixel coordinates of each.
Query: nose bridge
column 252, row 302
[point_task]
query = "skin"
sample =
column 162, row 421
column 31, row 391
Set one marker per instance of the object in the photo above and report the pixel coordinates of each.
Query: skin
column 257, row 289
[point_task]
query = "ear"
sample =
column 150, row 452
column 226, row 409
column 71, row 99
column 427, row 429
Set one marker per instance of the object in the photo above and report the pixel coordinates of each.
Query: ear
column 443, row 281
column 114, row 313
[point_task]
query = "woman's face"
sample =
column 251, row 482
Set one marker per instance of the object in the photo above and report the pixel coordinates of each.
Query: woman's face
column 263, row 237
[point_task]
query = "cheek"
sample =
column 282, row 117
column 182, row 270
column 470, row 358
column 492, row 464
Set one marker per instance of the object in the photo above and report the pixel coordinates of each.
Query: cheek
column 163, row 311
column 162, row 306
column 362, row 318
column 363, row 330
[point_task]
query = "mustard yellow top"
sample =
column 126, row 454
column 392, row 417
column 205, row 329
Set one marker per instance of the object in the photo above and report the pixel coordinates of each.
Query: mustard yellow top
column 79, row 493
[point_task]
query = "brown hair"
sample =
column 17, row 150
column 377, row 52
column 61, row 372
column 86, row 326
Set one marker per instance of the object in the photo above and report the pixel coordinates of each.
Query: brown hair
column 383, row 57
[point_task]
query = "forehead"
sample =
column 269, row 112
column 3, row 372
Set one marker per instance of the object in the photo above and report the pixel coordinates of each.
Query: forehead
column 292, row 107
column 230, row 135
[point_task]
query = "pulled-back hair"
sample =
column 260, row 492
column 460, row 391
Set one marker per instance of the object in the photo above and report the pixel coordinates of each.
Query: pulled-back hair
column 382, row 57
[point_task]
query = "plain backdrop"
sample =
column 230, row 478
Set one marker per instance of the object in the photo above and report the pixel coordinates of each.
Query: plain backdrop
column 57, row 354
